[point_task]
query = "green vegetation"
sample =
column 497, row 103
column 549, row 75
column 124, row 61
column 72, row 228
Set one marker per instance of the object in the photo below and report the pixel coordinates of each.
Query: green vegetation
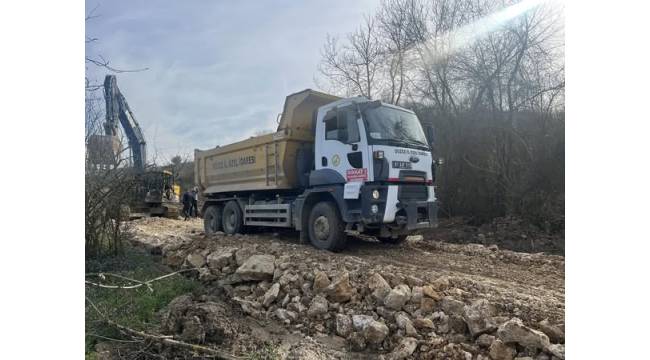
column 268, row 352
column 134, row 308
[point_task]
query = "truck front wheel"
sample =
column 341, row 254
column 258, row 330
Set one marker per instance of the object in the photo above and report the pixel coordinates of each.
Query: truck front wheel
column 326, row 228
column 232, row 218
column 212, row 219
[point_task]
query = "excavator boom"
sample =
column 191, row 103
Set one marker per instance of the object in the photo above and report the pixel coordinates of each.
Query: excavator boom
column 118, row 112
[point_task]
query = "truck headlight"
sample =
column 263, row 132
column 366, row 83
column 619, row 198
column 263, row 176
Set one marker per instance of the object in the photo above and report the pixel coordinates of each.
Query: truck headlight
column 375, row 194
column 374, row 208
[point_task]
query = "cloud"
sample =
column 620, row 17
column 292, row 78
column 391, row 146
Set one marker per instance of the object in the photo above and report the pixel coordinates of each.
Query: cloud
column 218, row 70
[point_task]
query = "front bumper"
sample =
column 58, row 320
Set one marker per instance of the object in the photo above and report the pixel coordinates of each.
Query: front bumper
column 411, row 214
column 419, row 214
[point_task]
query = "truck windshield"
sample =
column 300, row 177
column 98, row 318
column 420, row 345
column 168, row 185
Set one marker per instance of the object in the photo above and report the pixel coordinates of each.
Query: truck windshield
column 391, row 126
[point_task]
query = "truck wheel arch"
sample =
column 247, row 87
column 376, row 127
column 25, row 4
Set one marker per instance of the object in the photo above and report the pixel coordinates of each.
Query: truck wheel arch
column 333, row 194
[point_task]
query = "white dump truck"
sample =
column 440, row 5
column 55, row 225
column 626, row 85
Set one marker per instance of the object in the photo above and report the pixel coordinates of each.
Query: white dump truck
column 334, row 167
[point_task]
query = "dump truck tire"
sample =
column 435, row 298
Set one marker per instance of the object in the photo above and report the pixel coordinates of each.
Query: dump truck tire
column 389, row 240
column 212, row 220
column 326, row 228
column 232, row 218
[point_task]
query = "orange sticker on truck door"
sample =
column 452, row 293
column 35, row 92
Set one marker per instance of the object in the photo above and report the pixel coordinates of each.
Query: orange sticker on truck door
column 357, row 174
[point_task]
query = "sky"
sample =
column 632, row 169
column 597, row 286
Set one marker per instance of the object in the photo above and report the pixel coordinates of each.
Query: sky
column 218, row 71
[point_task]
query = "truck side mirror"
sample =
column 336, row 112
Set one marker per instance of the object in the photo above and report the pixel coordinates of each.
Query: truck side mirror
column 429, row 130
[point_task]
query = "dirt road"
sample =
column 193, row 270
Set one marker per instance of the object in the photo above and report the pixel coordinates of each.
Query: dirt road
column 529, row 287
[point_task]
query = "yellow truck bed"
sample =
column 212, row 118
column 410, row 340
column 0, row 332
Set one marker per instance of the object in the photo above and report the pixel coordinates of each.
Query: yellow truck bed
column 266, row 162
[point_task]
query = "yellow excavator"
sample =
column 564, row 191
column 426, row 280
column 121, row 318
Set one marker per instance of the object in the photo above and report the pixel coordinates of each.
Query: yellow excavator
column 161, row 194
column 155, row 192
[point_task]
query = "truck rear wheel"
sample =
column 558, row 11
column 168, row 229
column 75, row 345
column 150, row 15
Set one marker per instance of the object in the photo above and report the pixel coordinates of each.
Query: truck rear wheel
column 232, row 218
column 326, row 228
column 212, row 220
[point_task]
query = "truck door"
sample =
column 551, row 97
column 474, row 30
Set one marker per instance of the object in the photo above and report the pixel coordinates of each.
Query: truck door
column 341, row 148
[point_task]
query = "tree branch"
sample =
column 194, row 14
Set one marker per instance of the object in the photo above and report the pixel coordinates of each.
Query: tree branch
column 168, row 340
column 139, row 283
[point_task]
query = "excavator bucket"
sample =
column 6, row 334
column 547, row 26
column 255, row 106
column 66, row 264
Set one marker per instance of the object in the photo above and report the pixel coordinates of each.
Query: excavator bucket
column 104, row 150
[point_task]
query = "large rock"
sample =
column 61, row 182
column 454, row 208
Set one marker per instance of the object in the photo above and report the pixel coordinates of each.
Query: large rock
column 405, row 323
column 554, row 333
column 271, row 294
column 404, row 349
column 318, row 307
column 378, row 287
column 340, row 290
column 343, row 325
column 242, row 255
column 359, row 322
column 195, row 260
column 321, row 281
column 514, row 331
column 401, row 319
column 257, row 267
column 196, row 321
column 501, row 351
column 357, row 341
column 421, row 323
column 414, row 281
column 427, row 305
column 249, row 307
column 478, row 317
column 452, row 306
column 220, row 258
column 441, row 283
column 429, row 291
column 485, row 340
column 397, row 297
column 416, row 295
column 375, row 332
column 286, row 315
column 556, row 350
column 289, row 278
column 457, row 324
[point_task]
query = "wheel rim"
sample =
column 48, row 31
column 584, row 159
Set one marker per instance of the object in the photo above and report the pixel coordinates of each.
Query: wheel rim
column 229, row 220
column 321, row 228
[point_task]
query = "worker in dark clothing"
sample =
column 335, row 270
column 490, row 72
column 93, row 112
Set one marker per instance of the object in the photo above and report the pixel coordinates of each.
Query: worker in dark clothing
column 195, row 201
column 187, row 200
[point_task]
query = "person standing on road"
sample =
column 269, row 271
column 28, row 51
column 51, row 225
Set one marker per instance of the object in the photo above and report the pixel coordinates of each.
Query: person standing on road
column 187, row 200
column 195, row 201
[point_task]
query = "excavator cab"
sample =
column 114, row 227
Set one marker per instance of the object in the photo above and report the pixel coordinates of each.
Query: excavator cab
column 171, row 191
column 161, row 193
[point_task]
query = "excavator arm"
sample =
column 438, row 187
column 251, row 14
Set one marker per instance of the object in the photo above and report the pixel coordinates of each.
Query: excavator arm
column 118, row 111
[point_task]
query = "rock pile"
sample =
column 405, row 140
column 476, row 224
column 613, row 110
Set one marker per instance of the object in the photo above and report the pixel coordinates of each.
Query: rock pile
column 380, row 312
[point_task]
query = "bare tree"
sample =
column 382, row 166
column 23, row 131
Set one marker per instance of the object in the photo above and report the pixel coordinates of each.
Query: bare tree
column 353, row 66
column 110, row 183
column 400, row 23
column 490, row 79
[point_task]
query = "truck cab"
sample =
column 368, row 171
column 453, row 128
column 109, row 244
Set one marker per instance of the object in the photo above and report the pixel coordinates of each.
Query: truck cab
column 334, row 167
column 375, row 160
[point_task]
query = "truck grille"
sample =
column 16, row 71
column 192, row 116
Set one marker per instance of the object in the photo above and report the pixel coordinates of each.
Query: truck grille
column 417, row 192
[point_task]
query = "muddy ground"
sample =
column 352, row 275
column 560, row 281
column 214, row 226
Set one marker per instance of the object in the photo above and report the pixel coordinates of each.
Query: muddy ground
column 508, row 285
